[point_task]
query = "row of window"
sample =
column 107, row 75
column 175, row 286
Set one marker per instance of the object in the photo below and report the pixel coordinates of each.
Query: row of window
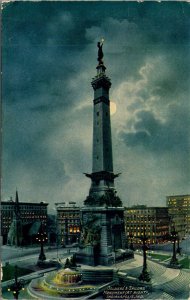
column 68, row 216
column 22, row 207
column 140, row 221
column 5, row 218
column 97, row 113
column 140, row 212
column 150, row 233
column 69, row 221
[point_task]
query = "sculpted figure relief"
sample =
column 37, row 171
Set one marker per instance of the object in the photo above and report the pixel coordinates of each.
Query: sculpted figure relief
column 91, row 232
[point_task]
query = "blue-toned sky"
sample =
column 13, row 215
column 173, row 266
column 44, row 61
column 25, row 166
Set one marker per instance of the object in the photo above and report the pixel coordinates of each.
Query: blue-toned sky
column 49, row 57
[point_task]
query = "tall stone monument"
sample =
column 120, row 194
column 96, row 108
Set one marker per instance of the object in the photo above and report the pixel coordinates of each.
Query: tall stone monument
column 102, row 215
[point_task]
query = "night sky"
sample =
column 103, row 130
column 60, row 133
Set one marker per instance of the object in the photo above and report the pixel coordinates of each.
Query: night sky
column 49, row 58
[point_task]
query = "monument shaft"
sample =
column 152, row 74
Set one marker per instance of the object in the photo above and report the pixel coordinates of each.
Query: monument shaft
column 102, row 215
column 102, row 145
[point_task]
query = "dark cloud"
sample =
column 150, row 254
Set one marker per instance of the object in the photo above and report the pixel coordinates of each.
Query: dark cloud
column 49, row 57
column 157, row 136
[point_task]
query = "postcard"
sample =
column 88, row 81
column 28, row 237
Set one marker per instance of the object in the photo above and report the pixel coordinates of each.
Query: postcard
column 95, row 198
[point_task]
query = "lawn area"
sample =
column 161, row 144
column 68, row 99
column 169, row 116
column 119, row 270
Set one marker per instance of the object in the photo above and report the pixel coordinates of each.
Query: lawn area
column 9, row 272
column 22, row 295
column 161, row 257
column 185, row 263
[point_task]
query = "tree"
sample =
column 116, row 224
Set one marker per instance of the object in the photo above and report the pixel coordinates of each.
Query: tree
column 67, row 264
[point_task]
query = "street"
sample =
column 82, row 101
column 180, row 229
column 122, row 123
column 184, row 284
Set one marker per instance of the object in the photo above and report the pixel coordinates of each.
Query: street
column 184, row 245
column 27, row 256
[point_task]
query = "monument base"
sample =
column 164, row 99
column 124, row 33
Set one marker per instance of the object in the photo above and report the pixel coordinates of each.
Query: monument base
column 102, row 235
column 96, row 275
column 89, row 256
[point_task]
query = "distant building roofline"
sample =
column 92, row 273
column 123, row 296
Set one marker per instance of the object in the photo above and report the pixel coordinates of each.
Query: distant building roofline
column 146, row 207
column 187, row 195
column 65, row 205
column 68, row 207
column 25, row 203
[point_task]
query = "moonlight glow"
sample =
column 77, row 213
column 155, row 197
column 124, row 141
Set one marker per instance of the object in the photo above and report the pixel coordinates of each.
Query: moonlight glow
column 113, row 108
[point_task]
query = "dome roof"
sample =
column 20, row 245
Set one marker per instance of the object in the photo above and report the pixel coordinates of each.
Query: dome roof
column 68, row 271
column 67, row 276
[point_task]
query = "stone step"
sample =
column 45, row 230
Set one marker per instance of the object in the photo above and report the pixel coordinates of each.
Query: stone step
column 168, row 275
column 178, row 287
column 159, row 296
column 93, row 275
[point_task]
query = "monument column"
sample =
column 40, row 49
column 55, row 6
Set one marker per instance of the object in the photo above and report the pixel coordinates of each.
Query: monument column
column 102, row 215
column 102, row 176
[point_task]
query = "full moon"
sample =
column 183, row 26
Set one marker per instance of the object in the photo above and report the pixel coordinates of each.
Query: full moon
column 113, row 108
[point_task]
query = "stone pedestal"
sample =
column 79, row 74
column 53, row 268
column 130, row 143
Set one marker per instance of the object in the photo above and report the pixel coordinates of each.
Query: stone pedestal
column 103, row 234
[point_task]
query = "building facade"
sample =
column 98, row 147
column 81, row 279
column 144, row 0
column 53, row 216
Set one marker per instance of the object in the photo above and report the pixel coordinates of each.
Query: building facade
column 153, row 221
column 68, row 223
column 179, row 212
column 29, row 213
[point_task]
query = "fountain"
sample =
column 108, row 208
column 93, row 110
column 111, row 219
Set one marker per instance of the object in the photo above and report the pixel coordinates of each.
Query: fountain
column 65, row 283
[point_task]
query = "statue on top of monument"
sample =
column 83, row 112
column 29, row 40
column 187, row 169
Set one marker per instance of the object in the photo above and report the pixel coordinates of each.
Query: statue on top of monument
column 100, row 52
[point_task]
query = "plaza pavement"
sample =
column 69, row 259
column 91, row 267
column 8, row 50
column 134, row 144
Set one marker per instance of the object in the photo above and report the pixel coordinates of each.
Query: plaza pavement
column 166, row 283
column 184, row 245
column 27, row 256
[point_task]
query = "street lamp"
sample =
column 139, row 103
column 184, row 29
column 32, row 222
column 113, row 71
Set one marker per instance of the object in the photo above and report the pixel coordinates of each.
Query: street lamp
column 17, row 285
column 57, row 237
column 41, row 238
column 131, row 247
column 178, row 247
column 173, row 236
column 144, row 276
